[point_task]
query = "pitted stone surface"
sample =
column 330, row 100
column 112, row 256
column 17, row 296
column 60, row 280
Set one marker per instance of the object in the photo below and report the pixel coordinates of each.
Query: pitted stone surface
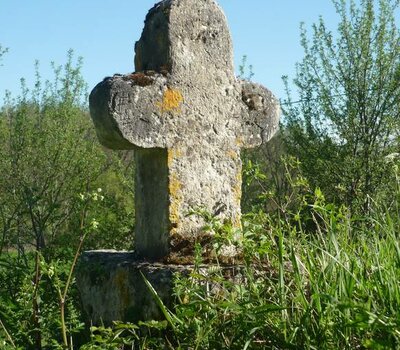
column 112, row 287
column 187, row 117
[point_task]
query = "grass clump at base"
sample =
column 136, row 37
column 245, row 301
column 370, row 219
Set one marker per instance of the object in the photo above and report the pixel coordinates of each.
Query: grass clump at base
column 334, row 286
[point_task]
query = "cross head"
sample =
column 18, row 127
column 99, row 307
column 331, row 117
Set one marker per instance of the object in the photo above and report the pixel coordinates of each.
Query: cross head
column 187, row 117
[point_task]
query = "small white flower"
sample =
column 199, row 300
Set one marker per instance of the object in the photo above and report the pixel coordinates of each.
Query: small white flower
column 94, row 224
column 392, row 157
column 82, row 196
column 51, row 271
column 99, row 190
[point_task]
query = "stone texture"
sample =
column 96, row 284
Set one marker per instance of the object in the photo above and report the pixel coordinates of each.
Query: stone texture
column 187, row 117
column 112, row 286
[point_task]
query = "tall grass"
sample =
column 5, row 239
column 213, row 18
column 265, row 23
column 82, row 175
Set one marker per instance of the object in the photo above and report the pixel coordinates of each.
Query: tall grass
column 330, row 285
column 334, row 288
column 313, row 277
column 318, row 277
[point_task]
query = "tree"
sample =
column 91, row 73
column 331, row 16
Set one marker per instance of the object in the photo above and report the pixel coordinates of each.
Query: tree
column 49, row 156
column 347, row 118
column 52, row 166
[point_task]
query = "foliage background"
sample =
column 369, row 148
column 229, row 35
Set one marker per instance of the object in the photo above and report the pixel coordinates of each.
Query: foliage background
column 321, row 203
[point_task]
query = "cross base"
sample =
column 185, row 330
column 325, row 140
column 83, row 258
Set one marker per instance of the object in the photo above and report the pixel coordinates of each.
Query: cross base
column 112, row 287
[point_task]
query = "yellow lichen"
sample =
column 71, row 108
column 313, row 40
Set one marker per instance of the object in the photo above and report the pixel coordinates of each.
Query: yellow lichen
column 120, row 280
column 174, row 189
column 175, row 201
column 239, row 141
column 236, row 222
column 172, row 100
column 173, row 153
column 232, row 154
column 174, row 186
column 237, row 192
column 237, row 189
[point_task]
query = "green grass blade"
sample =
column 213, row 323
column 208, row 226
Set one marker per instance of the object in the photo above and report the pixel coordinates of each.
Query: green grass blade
column 172, row 319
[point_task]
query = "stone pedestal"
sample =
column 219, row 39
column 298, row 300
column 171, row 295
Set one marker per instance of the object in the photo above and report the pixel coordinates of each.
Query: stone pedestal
column 112, row 287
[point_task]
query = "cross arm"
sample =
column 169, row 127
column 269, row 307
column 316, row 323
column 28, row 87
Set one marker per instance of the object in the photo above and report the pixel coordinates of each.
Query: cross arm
column 260, row 114
column 126, row 110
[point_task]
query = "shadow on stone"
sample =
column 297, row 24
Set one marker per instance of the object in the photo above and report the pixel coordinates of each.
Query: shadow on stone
column 187, row 117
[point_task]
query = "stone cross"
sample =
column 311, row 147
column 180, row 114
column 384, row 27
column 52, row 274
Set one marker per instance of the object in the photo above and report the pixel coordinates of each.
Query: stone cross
column 187, row 117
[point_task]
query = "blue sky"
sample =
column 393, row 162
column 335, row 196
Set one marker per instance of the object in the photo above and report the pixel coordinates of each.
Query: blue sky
column 103, row 32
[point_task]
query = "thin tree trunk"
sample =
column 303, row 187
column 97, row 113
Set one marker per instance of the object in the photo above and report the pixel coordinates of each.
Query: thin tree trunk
column 35, row 305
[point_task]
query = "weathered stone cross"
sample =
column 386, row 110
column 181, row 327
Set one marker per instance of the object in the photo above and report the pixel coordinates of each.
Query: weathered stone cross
column 187, row 118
